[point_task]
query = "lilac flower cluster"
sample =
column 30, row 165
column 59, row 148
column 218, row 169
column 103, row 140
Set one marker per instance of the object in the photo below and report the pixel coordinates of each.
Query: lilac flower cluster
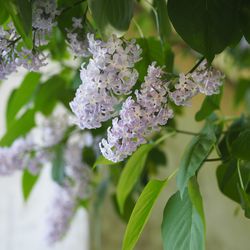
column 14, row 54
column 75, row 187
column 108, row 75
column 205, row 79
column 77, row 43
column 35, row 150
column 138, row 118
column 32, row 151
column 44, row 13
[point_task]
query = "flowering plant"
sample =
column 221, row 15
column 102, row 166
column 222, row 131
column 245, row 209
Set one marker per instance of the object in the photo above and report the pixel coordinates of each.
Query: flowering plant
column 102, row 122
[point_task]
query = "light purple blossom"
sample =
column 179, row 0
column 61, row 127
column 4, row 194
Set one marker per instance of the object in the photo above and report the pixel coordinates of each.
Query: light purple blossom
column 138, row 118
column 108, row 75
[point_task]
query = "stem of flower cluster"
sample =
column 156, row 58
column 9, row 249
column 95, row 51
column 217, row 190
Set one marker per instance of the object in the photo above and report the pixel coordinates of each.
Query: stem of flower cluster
column 196, row 65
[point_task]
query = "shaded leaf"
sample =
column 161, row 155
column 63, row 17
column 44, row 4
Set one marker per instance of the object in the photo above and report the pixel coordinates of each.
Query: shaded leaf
column 183, row 226
column 241, row 146
column 206, row 26
column 22, row 96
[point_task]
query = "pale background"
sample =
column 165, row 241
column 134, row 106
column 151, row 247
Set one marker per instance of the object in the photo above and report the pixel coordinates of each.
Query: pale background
column 22, row 225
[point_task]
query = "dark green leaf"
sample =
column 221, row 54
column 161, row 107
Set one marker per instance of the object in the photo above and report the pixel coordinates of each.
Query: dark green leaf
column 183, row 227
column 28, row 182
column 206, row 26
column 21, row 14
column 225, row 145
column 3, row 15
column 163, row 20
column 241, row 146
column 22, row 96
column 194, row 156
column 48, row 94
column 131, row 173
column 245, row 19
column 154, row 51
column 210, row 104
column 234, row 181
column 109, row 14
column 141, row 213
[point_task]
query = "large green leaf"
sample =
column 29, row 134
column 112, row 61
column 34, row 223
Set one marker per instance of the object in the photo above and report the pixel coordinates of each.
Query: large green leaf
column 21, row 14
column 28, row 182
column 49, row 94
column 183, row 225
column 3, row 14
column 141, row 213
column 154, row 51
column 234, row 181
column 241, row 146
column 245, row 19
column 22, row 96
column 131, row 174
column 162, row 19
column 208, row 26
column 112, row 14
column 194, row 155
column 19, row 128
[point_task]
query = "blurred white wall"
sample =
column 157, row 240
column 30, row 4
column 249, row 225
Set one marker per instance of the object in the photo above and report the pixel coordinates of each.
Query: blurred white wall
column 22, row 224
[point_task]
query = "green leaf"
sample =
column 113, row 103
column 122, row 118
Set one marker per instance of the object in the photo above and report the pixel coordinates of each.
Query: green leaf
column 141, row 213
column 206, row 26
column 163, row 20
column 22, row 96
column 3, row 15
column 183, row 227
column 131, row 174
column 101, row 160
column 209, row 105
column 241, row 146
column 21, row 14
column 234, row 181
column 154, row 51
column 225, row 145
column 245, row 19
column 111, row 14
column 58, row 165
column 48, row 94
column 19, row 128
column 194, row 156
column 28, row 182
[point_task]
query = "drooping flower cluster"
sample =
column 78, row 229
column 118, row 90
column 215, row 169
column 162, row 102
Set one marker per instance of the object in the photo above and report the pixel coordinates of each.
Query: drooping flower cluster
column 205, row 79
column 138, row 118
column 44, row 13
column 36, row 149
column 108, row 75
column 14, row 54
column 141, row 117
column 75, row 187
column 77, row 43
column 32, row 151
